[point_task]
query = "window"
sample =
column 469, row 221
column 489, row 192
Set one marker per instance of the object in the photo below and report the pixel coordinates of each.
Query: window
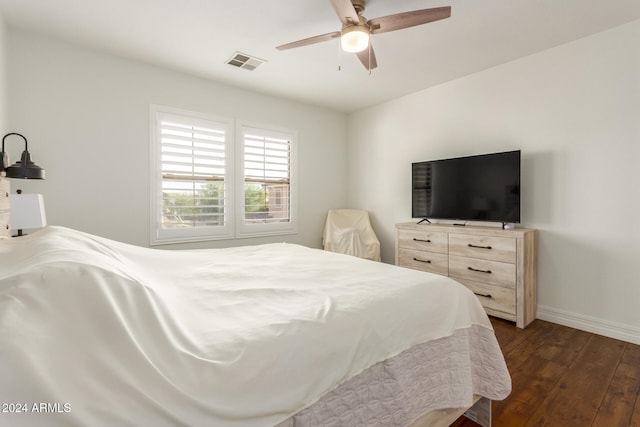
column 195, row 184
column 265, row 158
column 192, row 177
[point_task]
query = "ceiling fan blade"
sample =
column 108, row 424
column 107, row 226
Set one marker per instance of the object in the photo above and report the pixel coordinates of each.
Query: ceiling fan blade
column 408, row 19
column 310, row 40
column 345, row 11
column 363, row 56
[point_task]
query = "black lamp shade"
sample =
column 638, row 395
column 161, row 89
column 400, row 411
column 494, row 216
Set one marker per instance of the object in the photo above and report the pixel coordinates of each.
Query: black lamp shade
column 24, row 168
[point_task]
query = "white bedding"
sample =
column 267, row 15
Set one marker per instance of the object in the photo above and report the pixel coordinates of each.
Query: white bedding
column 105, row 333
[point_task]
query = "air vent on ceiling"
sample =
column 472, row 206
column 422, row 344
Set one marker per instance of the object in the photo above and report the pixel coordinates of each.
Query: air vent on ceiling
column 242, row 60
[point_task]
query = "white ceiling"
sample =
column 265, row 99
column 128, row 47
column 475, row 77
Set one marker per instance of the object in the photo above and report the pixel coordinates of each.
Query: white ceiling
column 198, row 36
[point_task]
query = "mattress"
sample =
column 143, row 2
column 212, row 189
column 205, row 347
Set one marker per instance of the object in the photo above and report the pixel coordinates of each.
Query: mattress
column 96, row 332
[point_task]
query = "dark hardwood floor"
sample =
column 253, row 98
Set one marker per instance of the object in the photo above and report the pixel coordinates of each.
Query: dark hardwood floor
column 567, row 378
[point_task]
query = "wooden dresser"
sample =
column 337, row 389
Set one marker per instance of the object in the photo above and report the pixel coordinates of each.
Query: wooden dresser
column 4, row 208
column 498, row 265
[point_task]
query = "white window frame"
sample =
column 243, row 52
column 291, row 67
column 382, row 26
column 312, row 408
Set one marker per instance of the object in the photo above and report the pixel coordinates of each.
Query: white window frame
column 234, row 218
column 244, row 229
column 160, row 235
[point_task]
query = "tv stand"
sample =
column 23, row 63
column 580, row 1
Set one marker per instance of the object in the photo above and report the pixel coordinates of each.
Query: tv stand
column 498, row 265
column 424, row 220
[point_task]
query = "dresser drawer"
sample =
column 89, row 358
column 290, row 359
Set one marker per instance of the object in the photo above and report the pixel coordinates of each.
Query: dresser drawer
column 501, row 249
column 4, row 194
column 431, row 241
column 495, row 299
column 483, row 271
column 4, row 224
column 424, row 261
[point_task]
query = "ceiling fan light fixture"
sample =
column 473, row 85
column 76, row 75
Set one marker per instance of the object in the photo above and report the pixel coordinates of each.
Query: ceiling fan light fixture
column 354, row 38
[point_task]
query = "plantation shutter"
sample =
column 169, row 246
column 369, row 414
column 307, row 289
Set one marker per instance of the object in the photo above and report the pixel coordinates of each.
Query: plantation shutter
column 194, row 168
column 218, row 178
column 268, row 204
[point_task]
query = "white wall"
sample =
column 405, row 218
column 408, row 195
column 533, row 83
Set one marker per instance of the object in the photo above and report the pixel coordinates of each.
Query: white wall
column 86, row 115
column 3, row 80
column 574, row 111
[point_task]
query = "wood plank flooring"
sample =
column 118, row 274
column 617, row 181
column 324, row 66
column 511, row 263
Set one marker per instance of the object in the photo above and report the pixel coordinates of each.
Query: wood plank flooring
column 566, row 377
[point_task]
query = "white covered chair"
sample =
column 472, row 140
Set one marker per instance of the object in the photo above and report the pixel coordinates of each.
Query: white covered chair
column 349, row 231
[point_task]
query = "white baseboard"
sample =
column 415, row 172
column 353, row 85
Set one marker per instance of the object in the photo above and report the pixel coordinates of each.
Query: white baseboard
column 607, row 328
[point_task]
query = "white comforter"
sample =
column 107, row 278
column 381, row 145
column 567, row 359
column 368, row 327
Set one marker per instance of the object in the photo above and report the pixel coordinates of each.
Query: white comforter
column 104, row 334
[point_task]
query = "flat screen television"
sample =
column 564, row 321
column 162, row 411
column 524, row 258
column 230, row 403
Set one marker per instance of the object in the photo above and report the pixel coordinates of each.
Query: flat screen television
column 475, row 188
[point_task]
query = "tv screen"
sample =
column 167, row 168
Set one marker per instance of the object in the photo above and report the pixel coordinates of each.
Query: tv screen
column 474, row 188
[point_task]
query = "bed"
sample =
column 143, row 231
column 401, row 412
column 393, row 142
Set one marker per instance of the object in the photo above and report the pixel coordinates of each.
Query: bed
column 101, row 333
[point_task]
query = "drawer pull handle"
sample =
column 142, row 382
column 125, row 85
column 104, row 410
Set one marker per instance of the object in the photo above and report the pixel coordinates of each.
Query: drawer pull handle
column 483, row 295
column 426, row 261
column 479, row 271
column 421, row 240
column 479, row 247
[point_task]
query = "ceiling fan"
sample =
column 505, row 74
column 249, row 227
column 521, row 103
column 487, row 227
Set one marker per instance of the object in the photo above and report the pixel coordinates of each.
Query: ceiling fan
column 356, row 29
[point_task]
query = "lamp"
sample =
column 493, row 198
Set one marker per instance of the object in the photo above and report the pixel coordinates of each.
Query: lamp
column 24, row 168
column 354, row 38
column 27, row 211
